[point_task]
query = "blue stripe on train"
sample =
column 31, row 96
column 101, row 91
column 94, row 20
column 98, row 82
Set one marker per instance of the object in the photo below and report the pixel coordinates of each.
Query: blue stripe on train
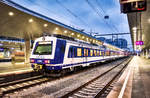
column 61, row 66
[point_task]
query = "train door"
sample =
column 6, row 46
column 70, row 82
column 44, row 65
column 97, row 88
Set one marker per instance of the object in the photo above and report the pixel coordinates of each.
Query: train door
column 72, row 52
column 71, row 55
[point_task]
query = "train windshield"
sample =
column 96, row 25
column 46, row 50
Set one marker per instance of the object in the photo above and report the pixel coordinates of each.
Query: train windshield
column 43, row 49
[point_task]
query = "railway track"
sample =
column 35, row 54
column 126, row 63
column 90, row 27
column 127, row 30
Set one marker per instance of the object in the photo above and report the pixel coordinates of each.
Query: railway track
column 17, row 85
column 21, row 84
column 99, row 86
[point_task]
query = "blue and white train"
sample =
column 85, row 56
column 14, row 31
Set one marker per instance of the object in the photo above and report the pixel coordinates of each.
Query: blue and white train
column 54, row 54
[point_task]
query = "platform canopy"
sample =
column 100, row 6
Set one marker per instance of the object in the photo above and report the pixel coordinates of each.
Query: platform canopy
column 139, row 23
column 19, row 22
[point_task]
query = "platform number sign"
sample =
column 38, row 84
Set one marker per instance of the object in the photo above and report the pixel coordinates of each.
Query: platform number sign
column 139, row 43
column 128, row 6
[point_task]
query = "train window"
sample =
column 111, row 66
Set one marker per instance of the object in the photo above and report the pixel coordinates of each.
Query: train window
column 74, row 52
column 85, row 52
column 94, row 52
column 70, row 52
column 91, row 52
column 106, row 53
column 79, row 52
column 100, row 53
column 97, row 52
column 43, row 49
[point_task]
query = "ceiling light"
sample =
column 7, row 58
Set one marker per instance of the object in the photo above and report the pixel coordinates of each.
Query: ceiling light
column 72, row 34
column 56, row 28
column 134, row 28
column 45, row 25
column 10, row 13
column 78, row 35
column 148, row 20
column 65, row 31
column 30, row 20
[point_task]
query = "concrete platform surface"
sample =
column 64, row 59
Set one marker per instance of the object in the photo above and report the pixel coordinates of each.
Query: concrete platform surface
column 135, row 80
column 7, row 68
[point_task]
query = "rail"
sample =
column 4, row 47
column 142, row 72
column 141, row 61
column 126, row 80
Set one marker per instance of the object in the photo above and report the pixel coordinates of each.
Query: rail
column 95, row 88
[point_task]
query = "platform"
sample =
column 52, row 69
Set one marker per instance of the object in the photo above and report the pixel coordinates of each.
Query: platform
column 135, row 81
column 7, row 68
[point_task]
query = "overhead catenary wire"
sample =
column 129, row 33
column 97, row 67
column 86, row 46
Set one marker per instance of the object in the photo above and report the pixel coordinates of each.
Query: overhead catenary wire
column 101, row 15
column 100, row 7
column 73, row 14
column 104, row 14
column 60, row 16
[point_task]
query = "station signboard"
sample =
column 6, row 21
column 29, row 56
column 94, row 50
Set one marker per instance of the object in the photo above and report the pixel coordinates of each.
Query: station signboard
column 128, row 6
column 139, row 43
column 129, row 1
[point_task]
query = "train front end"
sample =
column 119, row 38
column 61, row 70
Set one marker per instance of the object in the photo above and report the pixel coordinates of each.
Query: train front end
column 42, row 53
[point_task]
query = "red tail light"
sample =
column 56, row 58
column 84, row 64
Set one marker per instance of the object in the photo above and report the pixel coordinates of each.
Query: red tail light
column 32, row 60
column 46, row 61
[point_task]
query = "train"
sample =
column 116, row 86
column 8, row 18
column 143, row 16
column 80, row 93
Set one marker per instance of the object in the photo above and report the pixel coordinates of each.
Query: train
column 58, row 54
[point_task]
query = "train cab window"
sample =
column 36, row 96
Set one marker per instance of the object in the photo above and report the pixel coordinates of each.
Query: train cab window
column 79, row 52
column 43, row 49
column 91, row 52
